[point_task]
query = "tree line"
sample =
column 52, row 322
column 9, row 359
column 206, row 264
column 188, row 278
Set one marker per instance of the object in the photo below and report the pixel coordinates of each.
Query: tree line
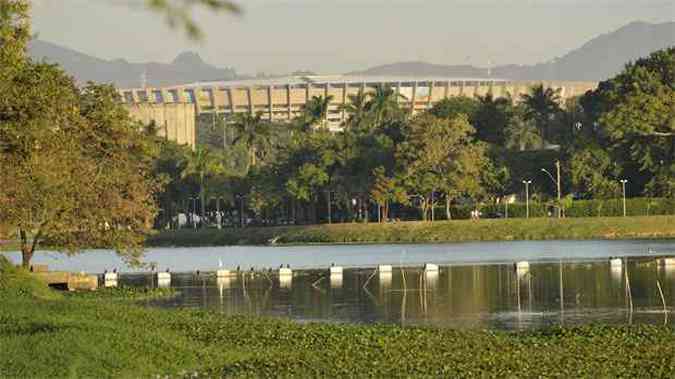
column 78, row 172
column 462, row 150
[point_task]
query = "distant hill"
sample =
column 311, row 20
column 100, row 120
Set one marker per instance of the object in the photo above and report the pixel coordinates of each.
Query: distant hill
column 598, row 59
column 187, row 67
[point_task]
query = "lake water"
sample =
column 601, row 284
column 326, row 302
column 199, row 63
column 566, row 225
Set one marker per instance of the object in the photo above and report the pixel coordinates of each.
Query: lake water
column 459, row 296
column 477, row 285
column 321, row 256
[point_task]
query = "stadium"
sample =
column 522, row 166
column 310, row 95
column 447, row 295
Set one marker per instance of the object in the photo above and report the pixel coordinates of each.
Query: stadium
column 175, row 108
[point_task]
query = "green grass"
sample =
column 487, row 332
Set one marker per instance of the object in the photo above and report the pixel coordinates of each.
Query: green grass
column 439, row 231
column 45, row 334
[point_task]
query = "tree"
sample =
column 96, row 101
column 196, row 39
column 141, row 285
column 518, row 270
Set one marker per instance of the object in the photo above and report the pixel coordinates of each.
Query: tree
column 315, row 111
column 541, row 105
column 450, row 107
column 168, row 167
column 632, row 115
column 383, row 104
column 202, row 164
column 385, row 190
column 592, row 172
column 14, row 37
column 181, row 13
column 637, row 112
column 496, row 180
column 66, row 151
column 440, row 156
column 491, row 118
column 253, row 133
column 357, row 109
column 521, row 133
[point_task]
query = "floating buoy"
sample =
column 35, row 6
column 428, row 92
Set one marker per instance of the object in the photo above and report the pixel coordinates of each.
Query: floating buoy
column 336, row 280
column 522, row 268
column 110, row 279
column 384, row 268
column 285, row 281
column 223, row 282
column 667, row 262
column 164, row 279
column 335, row 270
column 431, row 277
column 430, row 267
column 285, row 271
column 616, row 262
column 223, row 273
column 616, row 272
column 385, row 278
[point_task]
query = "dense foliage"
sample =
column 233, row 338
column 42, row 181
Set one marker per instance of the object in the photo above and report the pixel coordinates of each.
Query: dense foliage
column 67, row 149
column 64, row 152
column 46, row 335
column 462, row 153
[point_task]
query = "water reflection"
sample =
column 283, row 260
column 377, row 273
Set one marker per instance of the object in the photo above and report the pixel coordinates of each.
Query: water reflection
column 467, row 296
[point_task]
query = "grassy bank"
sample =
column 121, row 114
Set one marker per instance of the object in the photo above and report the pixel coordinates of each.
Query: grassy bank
column 45, row 334
column 440, row 231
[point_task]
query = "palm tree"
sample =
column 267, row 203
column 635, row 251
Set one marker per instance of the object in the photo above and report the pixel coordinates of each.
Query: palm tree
column 491, row 117
column 254, row 133
column 356, row 108
column 522, row 133
column 315, row 111
column 202, row 164
column 541, row 106
column 383, row 103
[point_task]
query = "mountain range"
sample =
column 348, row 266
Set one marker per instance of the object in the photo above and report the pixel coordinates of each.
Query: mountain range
column 598, row 59
column 187, row 67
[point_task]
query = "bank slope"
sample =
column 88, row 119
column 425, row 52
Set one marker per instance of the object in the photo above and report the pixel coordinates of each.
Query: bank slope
column 421, row 232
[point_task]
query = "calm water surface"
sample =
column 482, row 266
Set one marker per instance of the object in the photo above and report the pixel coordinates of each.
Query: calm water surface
column 460, row 296
column 477, row 285
column 321, row 256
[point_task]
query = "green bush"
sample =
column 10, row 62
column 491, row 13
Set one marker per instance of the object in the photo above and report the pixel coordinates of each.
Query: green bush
column 641, row 206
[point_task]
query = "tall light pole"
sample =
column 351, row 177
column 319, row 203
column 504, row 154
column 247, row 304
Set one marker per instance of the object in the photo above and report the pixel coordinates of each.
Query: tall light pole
column 556, row 182
column 330, row 210
column 623, row 183
column 241, row 198
column 527, row 197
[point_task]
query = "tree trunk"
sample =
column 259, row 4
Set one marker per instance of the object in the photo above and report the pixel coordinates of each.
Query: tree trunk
column 26, row 256
column 202, row 197
column 252, row 156
column 366, row 208
column 27, row 249
column 447, row 208
column 433, row 206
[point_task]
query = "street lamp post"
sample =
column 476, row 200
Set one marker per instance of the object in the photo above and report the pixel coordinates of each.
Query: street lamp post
column 330, row 210
column 556, row 182
column 527, row 197
column 241, row 210
column 623, row 183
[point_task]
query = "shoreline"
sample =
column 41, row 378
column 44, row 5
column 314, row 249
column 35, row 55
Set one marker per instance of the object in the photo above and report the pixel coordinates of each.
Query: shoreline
column 148, row 342
column 418, row 232
column 415, row 232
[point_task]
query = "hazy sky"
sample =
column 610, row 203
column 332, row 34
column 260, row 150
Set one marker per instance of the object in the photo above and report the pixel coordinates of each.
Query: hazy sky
column 341, row 35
